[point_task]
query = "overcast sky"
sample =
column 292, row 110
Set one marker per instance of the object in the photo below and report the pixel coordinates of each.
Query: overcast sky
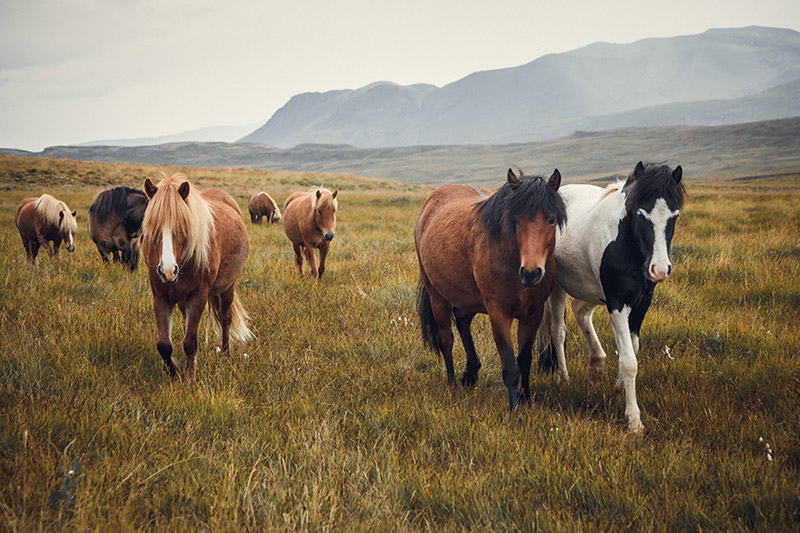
column 79, row 70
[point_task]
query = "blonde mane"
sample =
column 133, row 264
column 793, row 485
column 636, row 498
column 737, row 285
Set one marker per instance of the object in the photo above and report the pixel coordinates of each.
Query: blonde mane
column 50, row 208
column 326, row 200
column 191, row 222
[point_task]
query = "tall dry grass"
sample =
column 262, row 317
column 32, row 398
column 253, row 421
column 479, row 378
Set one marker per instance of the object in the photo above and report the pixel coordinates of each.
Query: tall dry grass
column 336, row 417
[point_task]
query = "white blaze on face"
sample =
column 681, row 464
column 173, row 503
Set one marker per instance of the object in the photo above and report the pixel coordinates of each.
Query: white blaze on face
column 168, row 263
column 71, row 242
column 659, row 216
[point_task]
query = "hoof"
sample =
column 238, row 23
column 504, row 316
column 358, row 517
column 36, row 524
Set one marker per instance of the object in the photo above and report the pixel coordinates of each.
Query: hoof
column 468, row 380
column 524, row 397
column 562, row 378
column 636, row 428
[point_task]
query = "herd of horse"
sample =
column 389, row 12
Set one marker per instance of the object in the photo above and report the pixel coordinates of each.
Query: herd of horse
column 512, row 254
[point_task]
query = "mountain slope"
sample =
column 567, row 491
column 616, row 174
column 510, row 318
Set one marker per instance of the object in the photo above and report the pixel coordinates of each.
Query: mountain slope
column 525, row 103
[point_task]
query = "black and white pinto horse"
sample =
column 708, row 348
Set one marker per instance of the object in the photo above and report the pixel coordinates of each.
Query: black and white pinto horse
column 612, row 252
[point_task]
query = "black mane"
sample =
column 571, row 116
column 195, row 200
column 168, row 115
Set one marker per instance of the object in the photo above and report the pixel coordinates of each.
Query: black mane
column 531, row 195
column 113, row 201
column 653, row 182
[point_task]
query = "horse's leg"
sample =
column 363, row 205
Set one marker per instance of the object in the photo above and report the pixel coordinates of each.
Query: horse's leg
column 226, row 315
column 526, row 336
column 323, row 253
column 583, row 312
column 558, row 329
column 311, row 257
column 56, row 244
column 628, row 367
column 194, row 306
column 501, row 331
column 464, row 324
column 298, row 257
column 441, row 309
column 637, row 317
column 103, row 255
column 32, row 248
column 163, row 311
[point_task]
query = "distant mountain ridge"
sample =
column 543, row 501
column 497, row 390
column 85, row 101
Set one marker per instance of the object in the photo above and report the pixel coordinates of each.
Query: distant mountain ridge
column 717, row 77
column 209, row 134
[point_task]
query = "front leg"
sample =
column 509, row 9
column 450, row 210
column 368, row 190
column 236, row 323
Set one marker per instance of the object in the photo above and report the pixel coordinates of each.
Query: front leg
column 526, row 335
column 311, row 257
column 323, row 253
column 43, row 241
column 163, row 311
column 628, row 367
column 194, row 306
column 501, row 331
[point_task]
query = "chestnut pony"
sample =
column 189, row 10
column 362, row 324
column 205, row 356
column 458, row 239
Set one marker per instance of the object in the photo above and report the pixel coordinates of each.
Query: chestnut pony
column 44, row 219
column 195, row 245
column 309, row 220
column 488, row 253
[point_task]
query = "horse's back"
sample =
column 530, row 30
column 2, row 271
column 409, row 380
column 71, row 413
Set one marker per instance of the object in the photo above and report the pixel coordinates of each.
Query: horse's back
column 296, row 211
column 448, row 202
column 231, row 237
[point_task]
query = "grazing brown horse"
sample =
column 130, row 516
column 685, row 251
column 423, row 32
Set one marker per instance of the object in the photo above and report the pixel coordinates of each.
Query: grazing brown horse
column 44, row 219
column 262, row 205
column 309, row 220
column 115, row 221
column 195, row 245
column 488, row 253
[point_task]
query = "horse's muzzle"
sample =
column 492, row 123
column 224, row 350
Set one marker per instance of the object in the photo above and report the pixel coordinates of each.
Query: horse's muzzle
column 70, row 248
column 531, row 278
column 164, row 277
column 328, row 236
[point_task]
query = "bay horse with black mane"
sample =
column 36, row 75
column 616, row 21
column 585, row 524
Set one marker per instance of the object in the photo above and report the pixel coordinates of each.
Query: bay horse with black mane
column 612, row 252
column 195, row 245
column 488, row 253
column 115, row 221
column 44, row 219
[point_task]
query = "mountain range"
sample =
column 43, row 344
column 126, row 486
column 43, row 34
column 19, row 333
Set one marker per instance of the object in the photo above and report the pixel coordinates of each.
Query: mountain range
column 721, row 76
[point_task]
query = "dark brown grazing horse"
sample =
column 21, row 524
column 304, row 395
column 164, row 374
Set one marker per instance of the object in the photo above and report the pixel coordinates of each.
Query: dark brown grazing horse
column 262, row 205
column 488, row 253
column 44, row 219
column 309, row 220
column 115, row 221
column 195, row 245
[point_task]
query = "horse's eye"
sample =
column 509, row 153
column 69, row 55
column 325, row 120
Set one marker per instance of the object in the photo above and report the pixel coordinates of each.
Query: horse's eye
column 319, row 211
column 552, row 221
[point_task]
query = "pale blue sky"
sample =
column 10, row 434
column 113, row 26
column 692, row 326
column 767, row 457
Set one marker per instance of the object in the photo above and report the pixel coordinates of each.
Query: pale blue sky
column 79, row 70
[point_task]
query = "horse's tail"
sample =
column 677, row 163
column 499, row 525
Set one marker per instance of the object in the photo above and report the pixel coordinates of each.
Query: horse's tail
column 430, row 329
column 548, row 361
column 239, row 318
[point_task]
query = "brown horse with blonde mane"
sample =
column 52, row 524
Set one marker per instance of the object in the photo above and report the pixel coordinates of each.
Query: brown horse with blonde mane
column 488, row 253
column 195, row 246
column 309, row 220
column 44, row 219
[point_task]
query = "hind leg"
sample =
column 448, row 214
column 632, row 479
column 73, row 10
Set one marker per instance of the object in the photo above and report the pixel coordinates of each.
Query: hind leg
column 464, row 324
column 32, row 250
column 441, row 310
column 298, row 257
column 583, row 312
column 223, row 303
column 558, row 329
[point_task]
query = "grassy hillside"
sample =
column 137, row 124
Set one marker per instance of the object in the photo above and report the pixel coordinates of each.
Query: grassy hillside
column 336, row 417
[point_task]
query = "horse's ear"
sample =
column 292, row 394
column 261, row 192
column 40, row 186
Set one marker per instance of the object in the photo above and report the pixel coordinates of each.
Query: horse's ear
column 335, row 193
column 677, row 174
column 183, row 190
column 513, row 179
column 638, row 170
column 319, row 193
column 60, row 216
column 74, row 213
column 149, row 188
column 555, row 180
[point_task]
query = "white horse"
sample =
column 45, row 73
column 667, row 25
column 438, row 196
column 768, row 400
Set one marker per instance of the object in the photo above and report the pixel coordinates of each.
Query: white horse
column 612, row 252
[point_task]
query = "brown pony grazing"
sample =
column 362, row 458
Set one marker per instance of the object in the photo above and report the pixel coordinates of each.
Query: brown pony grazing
column 493, row 254
column 195, row 245
column 44, row 219
column 262, row 205
column 309, row 220
column 115, row 220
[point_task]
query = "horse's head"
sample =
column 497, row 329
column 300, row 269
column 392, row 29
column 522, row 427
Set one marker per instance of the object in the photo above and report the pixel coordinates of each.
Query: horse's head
column 324, row 204
column 68, row 225
column 655, row 196
column 175, row 227
column 526, row 211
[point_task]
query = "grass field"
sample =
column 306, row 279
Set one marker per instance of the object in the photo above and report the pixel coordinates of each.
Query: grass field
column 337, row 418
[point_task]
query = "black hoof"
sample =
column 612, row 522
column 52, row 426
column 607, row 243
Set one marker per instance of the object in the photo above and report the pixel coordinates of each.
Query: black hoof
column 524, row 397
column 468, row 380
